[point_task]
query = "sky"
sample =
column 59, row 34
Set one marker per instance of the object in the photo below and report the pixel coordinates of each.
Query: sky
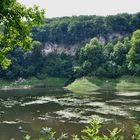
column 60, row 8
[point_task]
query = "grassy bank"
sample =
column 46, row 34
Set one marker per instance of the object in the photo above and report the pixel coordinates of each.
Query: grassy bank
column 82, row 85
column 33, row 82
column 89, row 84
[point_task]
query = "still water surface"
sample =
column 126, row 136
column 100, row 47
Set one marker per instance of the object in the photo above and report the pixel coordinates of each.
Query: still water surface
column 27, row 111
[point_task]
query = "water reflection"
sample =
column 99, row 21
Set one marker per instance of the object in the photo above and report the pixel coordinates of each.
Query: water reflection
column 27, row 111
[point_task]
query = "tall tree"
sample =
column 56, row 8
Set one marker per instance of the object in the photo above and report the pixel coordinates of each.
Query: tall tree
column 16, row 22
column 91, row 56
column 133, row 57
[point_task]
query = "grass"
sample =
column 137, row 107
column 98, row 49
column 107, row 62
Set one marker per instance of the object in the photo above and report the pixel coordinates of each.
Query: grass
column 49, row 81
column 91, row 84
column 83, row 85
column 33, row 82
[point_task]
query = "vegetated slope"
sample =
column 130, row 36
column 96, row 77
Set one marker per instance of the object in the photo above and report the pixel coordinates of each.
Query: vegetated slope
column 88, row 85
column 60, row 40
column 68, row 34
column 77, row 29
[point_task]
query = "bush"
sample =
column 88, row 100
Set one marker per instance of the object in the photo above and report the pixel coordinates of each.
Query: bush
column 91, row 132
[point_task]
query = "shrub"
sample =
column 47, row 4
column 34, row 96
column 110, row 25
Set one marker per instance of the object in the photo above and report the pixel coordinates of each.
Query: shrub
column 91, row 132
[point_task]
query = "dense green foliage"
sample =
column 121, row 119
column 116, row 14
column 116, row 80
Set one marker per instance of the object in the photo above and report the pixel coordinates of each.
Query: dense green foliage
column 16, row 22
column 34, row 63
column 90, row 132
column 133, row 57
column 112, row 56
column 72, row 30
column 111, row 59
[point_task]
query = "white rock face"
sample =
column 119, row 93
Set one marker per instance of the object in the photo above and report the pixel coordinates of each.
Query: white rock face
column 111, row 37
column 71, row 49
column 59, row 48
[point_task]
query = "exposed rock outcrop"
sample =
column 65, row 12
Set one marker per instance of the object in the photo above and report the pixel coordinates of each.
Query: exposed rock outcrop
column 71, row 49
column 59, row 49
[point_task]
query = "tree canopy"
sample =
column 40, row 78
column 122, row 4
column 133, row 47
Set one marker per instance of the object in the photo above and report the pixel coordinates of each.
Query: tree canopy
column 110, row 58
column 75, row 29
column 16, row 22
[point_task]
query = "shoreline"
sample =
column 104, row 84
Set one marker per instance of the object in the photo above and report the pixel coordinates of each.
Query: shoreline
column 32, row 83
column 81, row 86
column 86, row 85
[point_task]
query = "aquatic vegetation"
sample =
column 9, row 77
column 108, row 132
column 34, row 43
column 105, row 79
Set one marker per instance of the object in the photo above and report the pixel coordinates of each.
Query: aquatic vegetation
column 128, row 94
column 61, row 111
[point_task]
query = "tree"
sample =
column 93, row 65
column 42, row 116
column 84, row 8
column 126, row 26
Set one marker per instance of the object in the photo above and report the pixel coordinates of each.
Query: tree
column 91, row 56
column 133, row 57
column 114, row 59
column 16, row 22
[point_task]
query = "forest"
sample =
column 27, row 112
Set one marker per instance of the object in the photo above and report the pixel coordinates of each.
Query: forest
column 98, row 53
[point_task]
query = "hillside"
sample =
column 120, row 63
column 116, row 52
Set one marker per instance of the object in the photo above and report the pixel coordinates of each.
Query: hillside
column 58, row 42
column 77, row 29
column 67, row 34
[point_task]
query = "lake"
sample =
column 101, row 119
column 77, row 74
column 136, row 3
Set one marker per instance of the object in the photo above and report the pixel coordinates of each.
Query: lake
column 27, row 111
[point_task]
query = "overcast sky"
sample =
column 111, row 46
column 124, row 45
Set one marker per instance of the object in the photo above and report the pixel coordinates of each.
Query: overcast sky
column 59, row 8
